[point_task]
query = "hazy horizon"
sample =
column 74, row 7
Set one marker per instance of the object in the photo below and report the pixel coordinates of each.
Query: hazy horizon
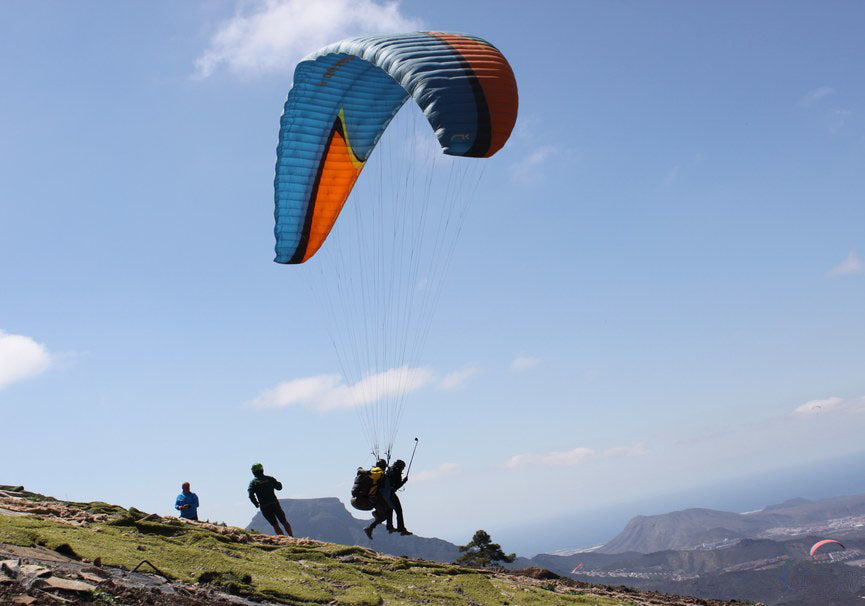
column 814, row 481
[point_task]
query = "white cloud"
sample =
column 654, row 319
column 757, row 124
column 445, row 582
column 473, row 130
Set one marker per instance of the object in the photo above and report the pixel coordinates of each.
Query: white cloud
column 535, row 161
column 21, row 358
column 851, row 265
column 813, row 96
column 443, row 470
column 458, row 378
column 526, row 128
column 836, row 119
column 814, row 407
column 328, row 392
column 833, row 404
column 530, row 168
column 575, row 456
column 523, row 363
column 273, row 35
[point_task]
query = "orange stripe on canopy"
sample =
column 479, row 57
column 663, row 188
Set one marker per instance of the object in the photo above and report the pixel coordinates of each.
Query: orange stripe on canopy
column 339, row 171
column 496, row 79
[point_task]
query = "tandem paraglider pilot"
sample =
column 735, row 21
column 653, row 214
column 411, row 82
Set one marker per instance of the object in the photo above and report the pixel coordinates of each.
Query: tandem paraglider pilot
column 262, row 496
column 375, row 490
column 187, row 503
column 393, row 481
column 366, row 496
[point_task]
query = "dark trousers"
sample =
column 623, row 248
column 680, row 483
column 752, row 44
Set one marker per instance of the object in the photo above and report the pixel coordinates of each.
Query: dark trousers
column 395, row 506
column 273, row 512
column 381, row 511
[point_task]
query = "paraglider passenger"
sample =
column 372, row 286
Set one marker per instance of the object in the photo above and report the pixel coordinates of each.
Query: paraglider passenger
column 261, row 494
column 187, row 503
column 393, row 481
column 380, row 513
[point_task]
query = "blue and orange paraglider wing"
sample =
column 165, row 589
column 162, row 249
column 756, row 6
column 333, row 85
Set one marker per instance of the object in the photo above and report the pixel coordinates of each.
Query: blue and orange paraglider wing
column 346, row 94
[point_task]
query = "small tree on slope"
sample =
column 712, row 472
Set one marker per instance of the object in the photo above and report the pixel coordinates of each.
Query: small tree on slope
column 481, row 551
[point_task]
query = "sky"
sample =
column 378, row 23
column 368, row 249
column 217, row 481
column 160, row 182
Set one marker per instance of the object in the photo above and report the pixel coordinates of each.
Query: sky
column 659, row 285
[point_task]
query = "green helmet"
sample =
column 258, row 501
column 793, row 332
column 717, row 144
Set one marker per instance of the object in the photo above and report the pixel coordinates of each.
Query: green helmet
column 258, row 468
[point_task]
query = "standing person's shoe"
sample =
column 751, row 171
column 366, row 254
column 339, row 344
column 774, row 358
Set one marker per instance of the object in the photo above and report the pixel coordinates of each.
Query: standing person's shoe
column 404, row 532
column 368, row 531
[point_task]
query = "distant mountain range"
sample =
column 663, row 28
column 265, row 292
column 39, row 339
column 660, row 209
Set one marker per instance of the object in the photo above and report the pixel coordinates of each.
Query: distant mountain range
column 760, row 556
column 703, row 528
column 761, row 570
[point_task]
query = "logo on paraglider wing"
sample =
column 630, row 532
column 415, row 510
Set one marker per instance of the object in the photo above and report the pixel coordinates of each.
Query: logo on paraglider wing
column 330, row 71
column 461, row 137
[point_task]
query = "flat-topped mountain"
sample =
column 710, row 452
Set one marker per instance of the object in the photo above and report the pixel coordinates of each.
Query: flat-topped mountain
column 327, row 519
column 685, row 529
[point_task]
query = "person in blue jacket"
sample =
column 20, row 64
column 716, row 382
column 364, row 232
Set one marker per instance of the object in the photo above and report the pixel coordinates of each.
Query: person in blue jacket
column 187, row 503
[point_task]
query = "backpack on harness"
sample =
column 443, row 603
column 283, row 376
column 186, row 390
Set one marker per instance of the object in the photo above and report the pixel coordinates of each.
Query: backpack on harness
column 364, row 488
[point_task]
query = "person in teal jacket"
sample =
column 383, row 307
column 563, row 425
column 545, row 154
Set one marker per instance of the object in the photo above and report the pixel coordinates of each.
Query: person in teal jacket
column 187, row 503
column 261, row 494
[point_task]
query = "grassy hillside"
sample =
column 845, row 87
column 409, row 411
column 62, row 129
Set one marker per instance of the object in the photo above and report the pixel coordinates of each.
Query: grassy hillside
column 280, row 569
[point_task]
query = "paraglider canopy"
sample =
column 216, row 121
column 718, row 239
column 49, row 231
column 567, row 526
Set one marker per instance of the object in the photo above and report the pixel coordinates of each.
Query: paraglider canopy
column 823, row 543
column 346, row 94
column 433, row 106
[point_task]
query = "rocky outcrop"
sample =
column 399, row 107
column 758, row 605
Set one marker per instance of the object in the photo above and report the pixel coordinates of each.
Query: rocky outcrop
column 35, row 575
